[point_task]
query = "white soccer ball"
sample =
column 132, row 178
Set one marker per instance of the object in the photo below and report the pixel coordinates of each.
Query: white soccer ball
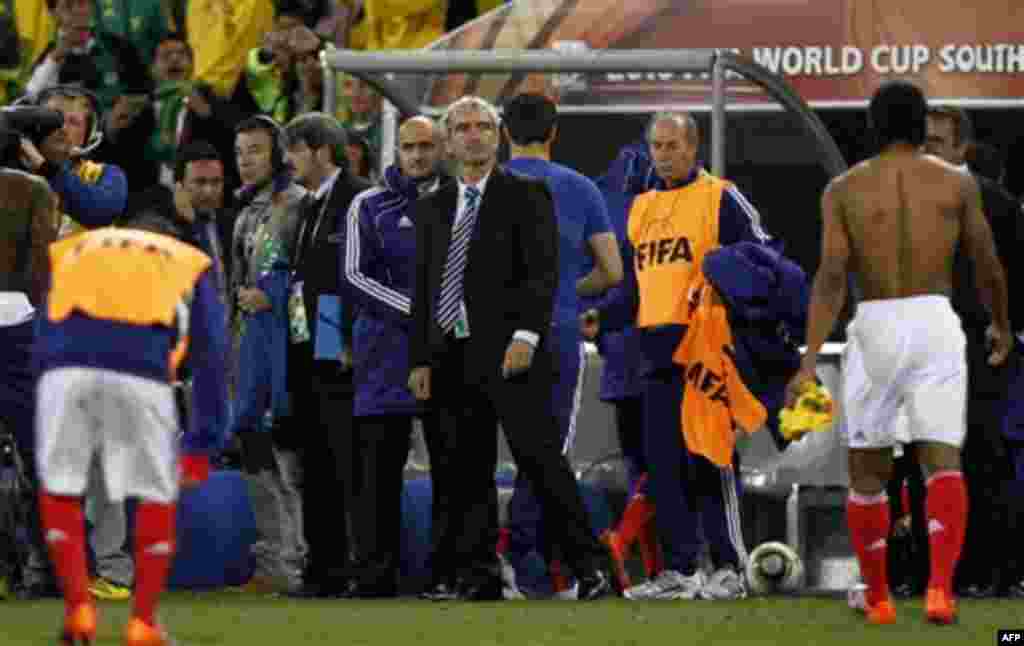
column 774, row 568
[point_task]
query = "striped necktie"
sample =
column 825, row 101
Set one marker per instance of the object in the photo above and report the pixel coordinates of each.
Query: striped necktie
column 455, row 265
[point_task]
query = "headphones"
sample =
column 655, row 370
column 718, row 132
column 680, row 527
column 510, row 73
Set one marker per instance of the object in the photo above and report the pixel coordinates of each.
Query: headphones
column 278, row 163
column 94, row 136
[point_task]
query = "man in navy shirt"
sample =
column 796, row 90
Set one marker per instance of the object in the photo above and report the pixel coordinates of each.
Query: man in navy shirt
column 583, row 231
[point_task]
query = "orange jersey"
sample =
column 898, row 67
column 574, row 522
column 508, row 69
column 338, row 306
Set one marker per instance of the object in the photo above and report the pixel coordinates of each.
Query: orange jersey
column 671, row 232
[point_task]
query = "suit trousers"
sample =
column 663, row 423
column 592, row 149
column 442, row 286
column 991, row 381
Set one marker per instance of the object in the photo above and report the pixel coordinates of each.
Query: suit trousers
column 522, row 404
column 322, row 415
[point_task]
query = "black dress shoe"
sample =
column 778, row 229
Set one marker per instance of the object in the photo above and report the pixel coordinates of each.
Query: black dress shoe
column 440, row 592
column 311, row 590
column 367, row 591
column 978, row 591
column 480, row 591
column 595, row 585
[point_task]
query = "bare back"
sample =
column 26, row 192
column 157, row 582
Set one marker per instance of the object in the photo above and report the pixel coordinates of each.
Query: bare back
column 903, row 213
column 27, row 227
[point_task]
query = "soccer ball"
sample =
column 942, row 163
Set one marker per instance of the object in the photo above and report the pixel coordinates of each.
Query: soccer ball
column 774, row 568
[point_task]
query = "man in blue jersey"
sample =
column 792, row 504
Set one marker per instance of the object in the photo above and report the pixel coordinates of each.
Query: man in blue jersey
column 124, row 309
column 583, row 229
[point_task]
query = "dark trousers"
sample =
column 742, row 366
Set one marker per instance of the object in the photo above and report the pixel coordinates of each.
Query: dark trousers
column 629, row 425
column 986, row 467
column 321, row 430
column 522, row 405
column 908, row 546
column 690, row 492
column 438, row 431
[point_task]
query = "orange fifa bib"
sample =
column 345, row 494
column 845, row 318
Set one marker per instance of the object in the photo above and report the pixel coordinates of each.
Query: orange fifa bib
column 122, row 275
column 671, row 231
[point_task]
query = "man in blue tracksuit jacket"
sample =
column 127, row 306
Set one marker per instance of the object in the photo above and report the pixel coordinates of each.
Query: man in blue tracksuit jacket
column 584, row 232
column 378, row 267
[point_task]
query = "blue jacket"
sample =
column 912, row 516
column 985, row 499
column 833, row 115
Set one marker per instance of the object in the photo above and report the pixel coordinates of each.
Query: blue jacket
column 379, row 265
column 629, row 175
column 262, row 356
column 767, row 296
column 93, row 204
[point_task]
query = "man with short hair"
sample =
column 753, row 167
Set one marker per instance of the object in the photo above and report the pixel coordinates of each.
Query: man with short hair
column 199, row 201
column 320, row 383
column 486, row 275
column 263, row 247
column 671, row 228
column 895, row 220
column 379, row 268
column 584, row 232
column 987, row 468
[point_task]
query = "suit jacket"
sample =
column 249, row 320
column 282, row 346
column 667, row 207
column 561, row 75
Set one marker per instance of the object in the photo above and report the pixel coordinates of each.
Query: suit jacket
column 511, row 272
column 316, row 260
column 1004, row 216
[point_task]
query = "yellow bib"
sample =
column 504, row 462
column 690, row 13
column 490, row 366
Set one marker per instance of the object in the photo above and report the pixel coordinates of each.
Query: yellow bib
column 123, row 275
column 671, row 231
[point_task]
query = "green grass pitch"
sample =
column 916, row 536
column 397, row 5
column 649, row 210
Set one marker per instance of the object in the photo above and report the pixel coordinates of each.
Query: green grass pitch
column 209, row 619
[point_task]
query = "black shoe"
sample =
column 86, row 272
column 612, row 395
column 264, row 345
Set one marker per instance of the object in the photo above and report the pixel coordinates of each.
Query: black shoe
column 440, row 592
column 367, row 591
column 903, row 591
column 489, row 590
column 978, row 591
column 595, row 585
column 311, row 590
column 1016, row 591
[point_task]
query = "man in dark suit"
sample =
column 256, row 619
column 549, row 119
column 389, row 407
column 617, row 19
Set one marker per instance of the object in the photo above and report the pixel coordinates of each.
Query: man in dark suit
column 986, row 463
column 321, row 386
column 486, row 273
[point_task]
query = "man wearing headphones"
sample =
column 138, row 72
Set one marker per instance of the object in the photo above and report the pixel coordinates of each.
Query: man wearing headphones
column 262, row 248
column 91, row 194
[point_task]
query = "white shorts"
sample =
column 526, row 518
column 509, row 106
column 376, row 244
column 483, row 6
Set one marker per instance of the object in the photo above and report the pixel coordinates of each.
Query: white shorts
column 128, row 423
column 905, row 373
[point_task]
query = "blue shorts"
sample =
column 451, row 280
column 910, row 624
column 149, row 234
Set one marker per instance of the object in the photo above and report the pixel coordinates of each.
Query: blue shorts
column 18, row 381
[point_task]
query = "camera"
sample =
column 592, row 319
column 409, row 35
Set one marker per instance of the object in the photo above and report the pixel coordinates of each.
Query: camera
column 31, row 122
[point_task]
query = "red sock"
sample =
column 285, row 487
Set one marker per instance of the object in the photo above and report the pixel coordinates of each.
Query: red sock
column 504, row 536
column 154, row 549
column 650, row 549
column 868, row 519
column 64, row 530
column 638, row 513
column 946, row 507
column 559, row 581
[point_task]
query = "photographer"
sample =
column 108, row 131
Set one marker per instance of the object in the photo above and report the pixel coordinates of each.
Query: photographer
column 91, row 194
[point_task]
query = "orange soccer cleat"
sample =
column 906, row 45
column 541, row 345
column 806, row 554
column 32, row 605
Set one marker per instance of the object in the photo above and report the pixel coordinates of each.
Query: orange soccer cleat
column 139, row 633
column 79, row 626
column 940, row 606
column 882, row 613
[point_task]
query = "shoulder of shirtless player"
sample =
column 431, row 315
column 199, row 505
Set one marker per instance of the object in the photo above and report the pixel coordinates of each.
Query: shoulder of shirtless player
column 901, row 212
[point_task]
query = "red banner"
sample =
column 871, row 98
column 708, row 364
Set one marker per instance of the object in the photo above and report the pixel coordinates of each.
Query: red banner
column 833, row 52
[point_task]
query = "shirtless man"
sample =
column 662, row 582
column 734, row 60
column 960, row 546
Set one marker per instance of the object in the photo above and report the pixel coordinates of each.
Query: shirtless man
column 28, row 225
column 895, row 221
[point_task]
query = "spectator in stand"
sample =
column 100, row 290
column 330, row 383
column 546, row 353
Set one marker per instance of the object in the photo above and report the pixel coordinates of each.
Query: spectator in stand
column 104, row 63
column 143, row 23
column 34, row 25
column 362, row 161
column 161, row 123
column 221, row 33
column 385, row 24
column 363, row 116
